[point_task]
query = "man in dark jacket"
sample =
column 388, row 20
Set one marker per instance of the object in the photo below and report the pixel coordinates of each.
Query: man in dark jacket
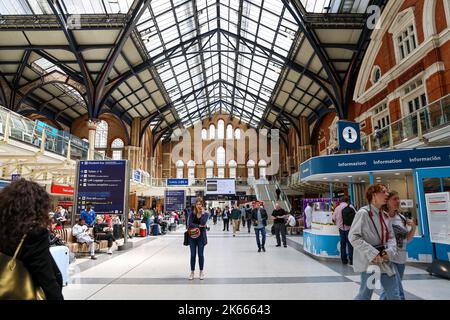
column 226, row 219
column 236, row 217
column 248, row 217
column 259, row 219
column 280, row 216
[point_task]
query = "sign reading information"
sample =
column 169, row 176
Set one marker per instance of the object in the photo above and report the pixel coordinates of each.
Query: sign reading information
column 102, row 184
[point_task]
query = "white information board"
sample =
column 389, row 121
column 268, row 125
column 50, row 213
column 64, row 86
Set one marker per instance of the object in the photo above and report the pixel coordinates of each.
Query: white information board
column 438, row 212
column 220, row 187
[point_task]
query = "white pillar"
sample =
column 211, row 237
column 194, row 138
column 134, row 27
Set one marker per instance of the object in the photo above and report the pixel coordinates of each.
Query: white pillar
column 92, row 126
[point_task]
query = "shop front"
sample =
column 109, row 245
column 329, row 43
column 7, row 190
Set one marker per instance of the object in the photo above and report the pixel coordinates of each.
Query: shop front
column 402, row 171
column 61, row 195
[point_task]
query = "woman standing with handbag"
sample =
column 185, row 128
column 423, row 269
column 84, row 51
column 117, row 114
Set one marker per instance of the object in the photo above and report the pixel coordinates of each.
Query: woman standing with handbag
column 197, row 238
column 24, row 243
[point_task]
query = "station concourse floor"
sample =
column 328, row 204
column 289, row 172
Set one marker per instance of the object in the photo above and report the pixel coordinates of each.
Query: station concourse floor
column 157, row 267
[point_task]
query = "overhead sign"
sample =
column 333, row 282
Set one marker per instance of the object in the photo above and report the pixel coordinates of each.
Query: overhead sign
column 349, row 134
column 438, row 212
column 376, row 161
column 103, row 185
column 220, row 187
column 15, row 177
column 174, row 200
column 59, row 189
column 177, row 182
column 137, row 176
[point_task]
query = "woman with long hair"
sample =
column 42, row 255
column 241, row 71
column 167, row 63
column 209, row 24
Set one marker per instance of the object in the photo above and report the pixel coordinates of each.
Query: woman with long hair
column 373, row 241
column 196, row 223
column 24, row 211
column 404, row 230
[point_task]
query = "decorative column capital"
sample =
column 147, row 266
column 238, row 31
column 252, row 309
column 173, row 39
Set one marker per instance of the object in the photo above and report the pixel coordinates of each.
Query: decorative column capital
column 93, row 123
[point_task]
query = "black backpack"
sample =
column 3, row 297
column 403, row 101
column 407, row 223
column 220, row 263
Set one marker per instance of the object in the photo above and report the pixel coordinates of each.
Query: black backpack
column 348, row 214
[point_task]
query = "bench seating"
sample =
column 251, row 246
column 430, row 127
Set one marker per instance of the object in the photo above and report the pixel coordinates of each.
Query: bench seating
column 74, row 246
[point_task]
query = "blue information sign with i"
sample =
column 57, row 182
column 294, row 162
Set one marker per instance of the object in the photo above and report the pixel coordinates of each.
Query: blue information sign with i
column 349, row 135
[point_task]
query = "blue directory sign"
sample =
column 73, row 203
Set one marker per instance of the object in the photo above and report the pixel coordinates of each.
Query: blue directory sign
column 349, row 134
column 177, row 182
column 377, row 161
column 102, row 184
column 137, row 176
column 174, row 200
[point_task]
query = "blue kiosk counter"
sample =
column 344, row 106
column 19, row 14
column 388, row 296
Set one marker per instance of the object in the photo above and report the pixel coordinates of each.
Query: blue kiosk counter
column 416, row 174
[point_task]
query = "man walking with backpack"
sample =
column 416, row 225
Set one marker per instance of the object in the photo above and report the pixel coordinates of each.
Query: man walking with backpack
column 343, row 217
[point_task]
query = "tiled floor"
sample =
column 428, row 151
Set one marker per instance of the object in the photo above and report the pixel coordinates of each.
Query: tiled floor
column 158, row 267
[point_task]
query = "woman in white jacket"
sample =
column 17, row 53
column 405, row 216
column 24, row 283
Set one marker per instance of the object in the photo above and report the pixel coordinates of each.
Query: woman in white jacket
column 373, row 240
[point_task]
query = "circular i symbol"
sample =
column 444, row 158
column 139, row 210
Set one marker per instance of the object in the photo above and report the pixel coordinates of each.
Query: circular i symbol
column 350, row 135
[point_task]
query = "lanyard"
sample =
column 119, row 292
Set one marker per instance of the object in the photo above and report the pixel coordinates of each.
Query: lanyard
column 383, row 226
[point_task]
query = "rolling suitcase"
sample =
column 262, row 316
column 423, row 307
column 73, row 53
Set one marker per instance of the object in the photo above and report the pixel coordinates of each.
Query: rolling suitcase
column 154, row 229
column 61, row 256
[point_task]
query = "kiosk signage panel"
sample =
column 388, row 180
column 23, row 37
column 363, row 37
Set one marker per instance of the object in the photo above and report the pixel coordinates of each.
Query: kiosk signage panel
column 102, row 184
column 174, row 200
column 438, row 212
column 349, row 135
column 377, row 161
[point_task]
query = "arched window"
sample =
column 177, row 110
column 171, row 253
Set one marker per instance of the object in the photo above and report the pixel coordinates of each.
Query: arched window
column 191, row 170
column 251, row 168
column 229, row 132
column 209, row 169
column 220, row 129
column 101, row 135
column 221, row 162
column 237, row 134
column 204, row 134
column 262, row 164
column 212, row 132
column 117, row 149
column 180, row 167
column 232, row 165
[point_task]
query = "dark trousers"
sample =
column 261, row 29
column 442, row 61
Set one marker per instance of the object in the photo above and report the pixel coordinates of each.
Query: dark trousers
column 280, row 228
column 261, row 243
column 346, row 256
column 107, row 236
column 226, row 224
column 243, row 222
column 249, row 224
column 197, row 246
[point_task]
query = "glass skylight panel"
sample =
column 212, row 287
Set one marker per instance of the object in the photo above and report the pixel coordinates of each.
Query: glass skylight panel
column 234, row 68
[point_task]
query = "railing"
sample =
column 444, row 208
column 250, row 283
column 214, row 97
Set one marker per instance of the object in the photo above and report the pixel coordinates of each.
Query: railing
column 19, row 128
column 414, row 126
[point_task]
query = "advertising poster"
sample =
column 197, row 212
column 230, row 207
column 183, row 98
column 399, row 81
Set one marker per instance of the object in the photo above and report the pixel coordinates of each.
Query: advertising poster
column 438, row 212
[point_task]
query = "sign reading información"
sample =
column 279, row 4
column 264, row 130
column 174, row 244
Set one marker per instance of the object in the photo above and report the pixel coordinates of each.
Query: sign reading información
column 102, row 185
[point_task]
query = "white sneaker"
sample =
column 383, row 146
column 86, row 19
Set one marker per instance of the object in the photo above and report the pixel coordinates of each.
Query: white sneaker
column 191, row 277
column 202, row 275
column 109, row 251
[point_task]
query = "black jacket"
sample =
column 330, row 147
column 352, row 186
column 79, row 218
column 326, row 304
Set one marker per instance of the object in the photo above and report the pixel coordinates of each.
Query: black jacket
column 264, row 216
column 36, row 257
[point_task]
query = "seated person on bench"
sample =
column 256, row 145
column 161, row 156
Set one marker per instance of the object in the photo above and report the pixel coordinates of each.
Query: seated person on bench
column 103, row 231
column 81, row 232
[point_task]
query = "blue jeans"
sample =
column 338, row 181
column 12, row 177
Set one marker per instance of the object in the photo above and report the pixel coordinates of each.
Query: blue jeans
column 389, row 284
column 400, row 271
column 147, row 223
column 346, row 247
column 197, row 245
column 261, row 231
